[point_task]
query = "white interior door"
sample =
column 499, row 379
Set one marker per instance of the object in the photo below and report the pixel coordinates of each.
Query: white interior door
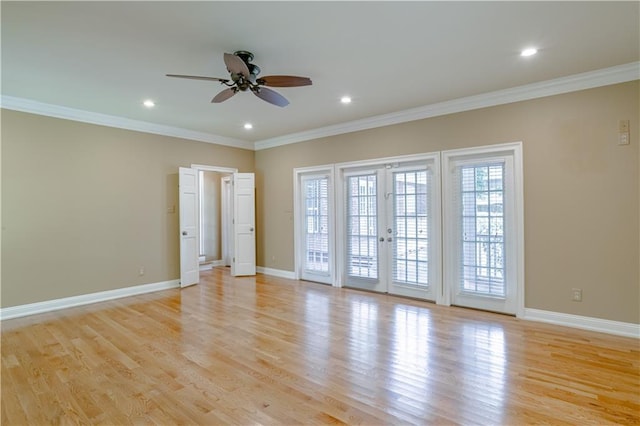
column 244, row 224
column 189, row 230
column 226, row 206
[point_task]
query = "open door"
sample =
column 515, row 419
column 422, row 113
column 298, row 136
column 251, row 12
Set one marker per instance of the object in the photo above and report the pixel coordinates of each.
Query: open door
column 188, row 211
column 244, row 225
column 226, row 205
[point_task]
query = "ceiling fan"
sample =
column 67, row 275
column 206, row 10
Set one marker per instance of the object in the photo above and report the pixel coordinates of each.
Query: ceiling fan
column 244, row 76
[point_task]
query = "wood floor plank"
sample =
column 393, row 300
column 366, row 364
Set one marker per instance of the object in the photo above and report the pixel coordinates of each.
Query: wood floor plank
column 266, row 350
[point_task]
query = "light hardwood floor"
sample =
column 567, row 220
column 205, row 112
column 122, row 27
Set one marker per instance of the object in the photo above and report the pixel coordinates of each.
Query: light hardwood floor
column 266, row 350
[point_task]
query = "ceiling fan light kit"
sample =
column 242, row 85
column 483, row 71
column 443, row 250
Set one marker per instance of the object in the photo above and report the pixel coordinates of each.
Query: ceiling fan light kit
column 244, row 76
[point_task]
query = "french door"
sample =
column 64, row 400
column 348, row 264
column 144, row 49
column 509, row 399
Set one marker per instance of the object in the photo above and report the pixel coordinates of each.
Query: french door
column 316, row 227
column 483, row 230
column 391, row 219
column 402, row 227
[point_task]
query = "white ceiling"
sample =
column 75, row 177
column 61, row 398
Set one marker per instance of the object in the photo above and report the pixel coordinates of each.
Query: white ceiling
column 107, row 57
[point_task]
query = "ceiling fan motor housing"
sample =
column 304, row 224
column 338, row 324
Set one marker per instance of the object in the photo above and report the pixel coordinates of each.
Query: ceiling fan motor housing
column 254, row 70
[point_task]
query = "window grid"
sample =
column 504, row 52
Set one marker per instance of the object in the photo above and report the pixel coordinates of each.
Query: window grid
column 362, row 226
column 316, row 195
column 483, row 240
column 411, row 243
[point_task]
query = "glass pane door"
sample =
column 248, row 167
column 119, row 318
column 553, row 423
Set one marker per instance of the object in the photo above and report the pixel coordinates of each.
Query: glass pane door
column 483, row 239
column 317, row 260
column 362, row 244
column 483, row 267
column 389, row 230
column 411, row 218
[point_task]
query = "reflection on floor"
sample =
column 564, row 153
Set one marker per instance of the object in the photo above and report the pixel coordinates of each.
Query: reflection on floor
column 275, row 351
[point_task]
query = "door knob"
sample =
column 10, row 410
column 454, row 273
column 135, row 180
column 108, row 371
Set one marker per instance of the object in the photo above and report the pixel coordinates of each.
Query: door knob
column 382, row 239
column 184, row 233
column 251, row 229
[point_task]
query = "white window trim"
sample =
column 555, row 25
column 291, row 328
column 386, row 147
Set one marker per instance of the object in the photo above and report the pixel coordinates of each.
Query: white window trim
column 449, row 243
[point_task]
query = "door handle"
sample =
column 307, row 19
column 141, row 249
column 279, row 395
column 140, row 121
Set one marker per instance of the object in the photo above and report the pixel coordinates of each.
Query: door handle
column 250, row 229
column 382, row 239
column 184, row 233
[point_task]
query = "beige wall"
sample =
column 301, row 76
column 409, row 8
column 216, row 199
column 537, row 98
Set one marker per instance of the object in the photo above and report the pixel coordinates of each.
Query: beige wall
column 581, row 190
column 85, row 206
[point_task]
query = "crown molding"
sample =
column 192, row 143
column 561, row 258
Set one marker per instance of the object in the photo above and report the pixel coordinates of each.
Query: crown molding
column 582, row 81
column 57, row 111
column 587, row 80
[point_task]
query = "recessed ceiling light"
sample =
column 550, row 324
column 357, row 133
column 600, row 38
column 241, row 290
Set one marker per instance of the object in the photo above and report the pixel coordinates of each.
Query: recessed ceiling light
column 248, row 126
column 529, row 52
column 345, row 100
column 149, row 103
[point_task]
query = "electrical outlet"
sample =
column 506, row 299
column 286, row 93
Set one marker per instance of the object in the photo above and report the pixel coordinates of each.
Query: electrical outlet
column 576, row 294
column 623, row 139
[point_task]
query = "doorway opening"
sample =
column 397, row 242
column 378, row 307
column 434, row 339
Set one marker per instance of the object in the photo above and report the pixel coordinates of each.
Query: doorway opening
column 241, row 242
column 215, row 216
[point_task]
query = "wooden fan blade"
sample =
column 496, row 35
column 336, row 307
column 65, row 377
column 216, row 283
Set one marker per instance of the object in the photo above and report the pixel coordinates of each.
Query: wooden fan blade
column 270, row 96
column 235, row 65
column 197, row 77
column 284, row 81
column 224, row 95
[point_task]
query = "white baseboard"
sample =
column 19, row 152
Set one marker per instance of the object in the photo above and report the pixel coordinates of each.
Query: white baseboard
column 568, row 320
column 83, row 299
column 587, row 323
column 276, row 272
column 210, row 265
